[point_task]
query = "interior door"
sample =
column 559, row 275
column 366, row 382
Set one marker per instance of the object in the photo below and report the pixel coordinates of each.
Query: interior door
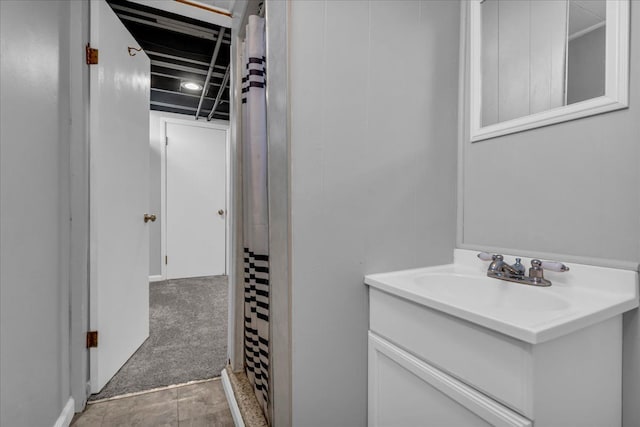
column 196, row 210
column 119, row 195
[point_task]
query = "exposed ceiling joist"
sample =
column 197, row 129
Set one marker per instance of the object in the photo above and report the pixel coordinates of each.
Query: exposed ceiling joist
column 179, row 58
column 216, row 49
column 185, row 108
column 155, row 17
column 200, row 81
column 189, row 11
column 178, row 67
column 189, row 32
column 173, row 76
column 173, row 92
column 179, row 48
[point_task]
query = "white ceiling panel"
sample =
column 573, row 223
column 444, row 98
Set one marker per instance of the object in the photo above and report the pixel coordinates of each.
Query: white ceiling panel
column 585, row 13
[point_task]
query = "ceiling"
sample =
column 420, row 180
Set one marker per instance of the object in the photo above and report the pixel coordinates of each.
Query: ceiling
column 180, row 50
column 220, row 4
column 584, row 14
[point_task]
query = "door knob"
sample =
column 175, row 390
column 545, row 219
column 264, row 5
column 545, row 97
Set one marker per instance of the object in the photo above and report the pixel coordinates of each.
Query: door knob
column 149, row 217
column 221, row 212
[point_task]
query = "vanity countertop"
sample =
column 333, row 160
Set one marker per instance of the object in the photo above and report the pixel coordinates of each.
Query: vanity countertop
column 581, row 297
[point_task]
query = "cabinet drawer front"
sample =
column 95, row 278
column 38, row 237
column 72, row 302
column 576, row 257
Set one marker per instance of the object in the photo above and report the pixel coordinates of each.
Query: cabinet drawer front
column 497, row 365
column 405, row 391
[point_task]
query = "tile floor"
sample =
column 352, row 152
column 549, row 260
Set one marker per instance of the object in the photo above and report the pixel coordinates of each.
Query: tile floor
column 201, row 404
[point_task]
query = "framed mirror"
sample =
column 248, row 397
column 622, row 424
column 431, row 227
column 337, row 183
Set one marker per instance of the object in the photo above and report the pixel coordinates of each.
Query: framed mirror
column 538, row 62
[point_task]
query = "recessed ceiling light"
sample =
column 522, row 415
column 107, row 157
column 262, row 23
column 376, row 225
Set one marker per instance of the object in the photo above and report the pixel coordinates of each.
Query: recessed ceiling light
column 191, row 86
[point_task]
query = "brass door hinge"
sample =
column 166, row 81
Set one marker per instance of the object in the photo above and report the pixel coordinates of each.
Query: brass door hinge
column 92, row 339
column 91, row 55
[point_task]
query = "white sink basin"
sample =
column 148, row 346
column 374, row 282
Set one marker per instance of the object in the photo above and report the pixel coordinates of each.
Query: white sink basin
column 487, row 292
column 581, row 297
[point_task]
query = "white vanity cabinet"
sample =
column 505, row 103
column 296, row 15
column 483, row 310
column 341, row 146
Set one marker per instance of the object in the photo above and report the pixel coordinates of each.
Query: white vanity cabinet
column 406, row 391
column 429, row 368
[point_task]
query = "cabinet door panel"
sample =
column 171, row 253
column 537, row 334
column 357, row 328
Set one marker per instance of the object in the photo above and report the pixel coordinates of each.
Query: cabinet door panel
column 405, row 391
column 500, row 367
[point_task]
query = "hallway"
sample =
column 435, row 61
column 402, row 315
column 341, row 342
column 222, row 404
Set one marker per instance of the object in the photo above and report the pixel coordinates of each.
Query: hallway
column 187, row 338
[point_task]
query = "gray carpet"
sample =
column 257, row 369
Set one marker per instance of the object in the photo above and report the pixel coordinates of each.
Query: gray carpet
column 187, row 337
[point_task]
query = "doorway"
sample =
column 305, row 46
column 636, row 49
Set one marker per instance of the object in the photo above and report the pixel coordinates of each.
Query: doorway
column 189, row 307
column 195, row 199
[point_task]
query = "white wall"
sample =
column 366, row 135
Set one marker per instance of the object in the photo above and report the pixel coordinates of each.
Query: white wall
column 79, row 201
column 235, row 338
column 279, row 160
column 155, row 201
column 571, row 188
column 155, row 206
column 586, row 66
column 34, row 223
column 523, row 58
column 373, row 98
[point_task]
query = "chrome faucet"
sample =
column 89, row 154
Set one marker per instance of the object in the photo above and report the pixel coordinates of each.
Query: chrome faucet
column 499, row 269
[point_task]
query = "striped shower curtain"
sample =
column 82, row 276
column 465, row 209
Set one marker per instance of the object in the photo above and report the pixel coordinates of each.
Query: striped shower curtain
column 256, row 215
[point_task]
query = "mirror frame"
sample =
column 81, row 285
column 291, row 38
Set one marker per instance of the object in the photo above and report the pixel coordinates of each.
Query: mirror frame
column 616, row 94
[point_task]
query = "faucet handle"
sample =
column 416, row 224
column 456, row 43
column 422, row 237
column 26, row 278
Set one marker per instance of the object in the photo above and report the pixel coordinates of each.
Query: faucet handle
column 519, row 267
column 554, row 266
column 486, row 256
column 536, row 264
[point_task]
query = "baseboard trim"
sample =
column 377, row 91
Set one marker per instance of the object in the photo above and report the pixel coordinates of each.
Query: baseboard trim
column 231, row 399
column 152, row 390
column 64, row 420
column 156, row 278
